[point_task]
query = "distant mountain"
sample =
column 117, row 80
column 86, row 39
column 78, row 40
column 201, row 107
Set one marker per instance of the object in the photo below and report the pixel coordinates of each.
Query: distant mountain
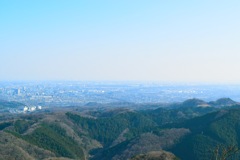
column 223, row 102
column 194, row 103
column 175, row 113
column 190, row 103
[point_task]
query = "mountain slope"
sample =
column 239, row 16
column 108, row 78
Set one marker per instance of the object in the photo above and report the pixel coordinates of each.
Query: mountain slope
column 223, row 102
column 190, row 131
column 208, row 131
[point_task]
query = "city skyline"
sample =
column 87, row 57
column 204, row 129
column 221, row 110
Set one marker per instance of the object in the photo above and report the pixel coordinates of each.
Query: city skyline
column 120, row 41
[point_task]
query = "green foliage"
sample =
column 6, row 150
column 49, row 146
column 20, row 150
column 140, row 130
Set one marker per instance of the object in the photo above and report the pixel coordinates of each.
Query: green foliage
column 197, row 147
column 118, row 131
column 106, row 130
column 207, row 132
column 225, row 152
column 21, row 126
column 53, row 138
column 107, row 154
column 5, row 125
column 163, row 116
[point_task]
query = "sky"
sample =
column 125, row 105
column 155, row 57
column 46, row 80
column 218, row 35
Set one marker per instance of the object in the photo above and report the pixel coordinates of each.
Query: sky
column 125, row 40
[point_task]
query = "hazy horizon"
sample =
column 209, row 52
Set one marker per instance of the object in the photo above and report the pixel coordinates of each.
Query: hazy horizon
column 161, row 41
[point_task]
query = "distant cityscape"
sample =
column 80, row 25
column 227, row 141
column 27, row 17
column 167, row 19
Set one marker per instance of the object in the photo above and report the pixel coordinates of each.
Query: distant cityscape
column 54, row 94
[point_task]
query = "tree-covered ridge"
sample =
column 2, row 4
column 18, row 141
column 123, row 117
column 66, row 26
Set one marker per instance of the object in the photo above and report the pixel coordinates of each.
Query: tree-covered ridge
column 106, row 130
column 123, row 133
column 49, row 136
column 209, row 131
column 53, row 138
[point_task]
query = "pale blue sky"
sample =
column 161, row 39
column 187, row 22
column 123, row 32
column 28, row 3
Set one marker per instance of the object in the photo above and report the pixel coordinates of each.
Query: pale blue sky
column 120, row 40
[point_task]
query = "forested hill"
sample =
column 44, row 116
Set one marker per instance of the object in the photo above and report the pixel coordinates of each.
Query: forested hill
column 190, row 131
